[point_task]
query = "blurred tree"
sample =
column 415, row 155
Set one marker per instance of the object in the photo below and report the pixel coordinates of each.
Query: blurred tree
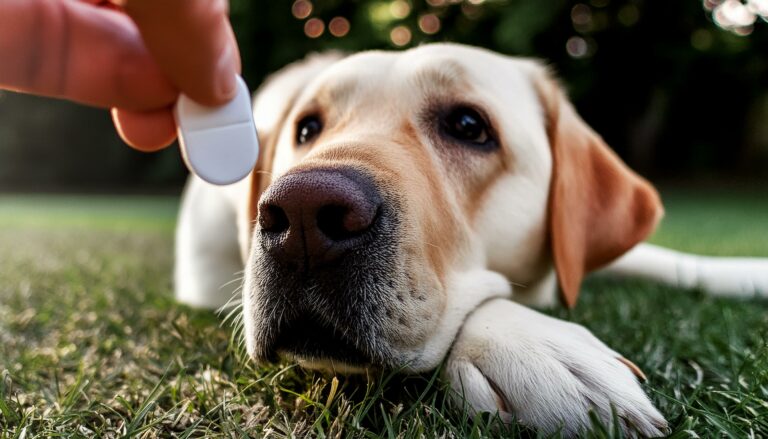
column 674, row 87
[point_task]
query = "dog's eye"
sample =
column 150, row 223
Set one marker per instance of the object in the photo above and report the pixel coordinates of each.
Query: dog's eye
column 307, row 129
column 466, row 125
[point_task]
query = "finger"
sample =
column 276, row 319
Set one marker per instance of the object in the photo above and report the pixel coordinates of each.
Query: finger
column 104, row 3
column 145, row 131
column 109, row 4
column 80, row 52
column 193, row 42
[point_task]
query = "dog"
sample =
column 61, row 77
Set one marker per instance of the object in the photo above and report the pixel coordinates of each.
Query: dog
column 407, row 208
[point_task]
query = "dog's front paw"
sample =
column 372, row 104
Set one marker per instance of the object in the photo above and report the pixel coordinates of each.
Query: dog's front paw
column 546, row 373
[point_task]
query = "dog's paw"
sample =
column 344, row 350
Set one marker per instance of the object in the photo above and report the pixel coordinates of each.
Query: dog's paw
column 546, row 373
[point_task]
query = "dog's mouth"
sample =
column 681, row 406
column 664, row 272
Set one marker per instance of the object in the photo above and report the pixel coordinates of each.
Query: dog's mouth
column 311, row 341
column 321, row 328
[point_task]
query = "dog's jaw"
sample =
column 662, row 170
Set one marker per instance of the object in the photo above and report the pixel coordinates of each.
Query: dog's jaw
column 467, row 291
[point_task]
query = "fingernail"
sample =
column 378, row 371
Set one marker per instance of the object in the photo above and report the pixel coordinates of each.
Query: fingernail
column 226, row 75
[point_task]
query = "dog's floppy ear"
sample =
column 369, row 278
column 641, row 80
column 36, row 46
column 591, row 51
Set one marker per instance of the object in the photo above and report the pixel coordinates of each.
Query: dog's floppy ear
column 598, row 207
column 271, row 105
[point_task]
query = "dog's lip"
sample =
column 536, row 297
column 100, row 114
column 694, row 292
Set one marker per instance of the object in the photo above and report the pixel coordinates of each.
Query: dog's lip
column 335, row 366
column 308, row 339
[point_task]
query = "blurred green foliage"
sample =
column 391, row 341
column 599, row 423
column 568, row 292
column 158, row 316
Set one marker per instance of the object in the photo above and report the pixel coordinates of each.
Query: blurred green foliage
column 672, row 92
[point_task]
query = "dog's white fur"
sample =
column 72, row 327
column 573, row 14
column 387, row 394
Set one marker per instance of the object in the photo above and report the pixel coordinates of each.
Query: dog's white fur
column 544, row 372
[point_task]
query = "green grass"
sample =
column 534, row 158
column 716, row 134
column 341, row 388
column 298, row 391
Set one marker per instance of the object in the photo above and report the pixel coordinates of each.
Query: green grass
column 92, row 343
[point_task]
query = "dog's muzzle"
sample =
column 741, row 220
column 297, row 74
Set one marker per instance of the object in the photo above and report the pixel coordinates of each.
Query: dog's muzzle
column 323, row 267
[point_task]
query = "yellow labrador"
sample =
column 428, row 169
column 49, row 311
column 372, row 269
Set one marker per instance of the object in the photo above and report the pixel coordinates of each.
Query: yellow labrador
column 402, row 199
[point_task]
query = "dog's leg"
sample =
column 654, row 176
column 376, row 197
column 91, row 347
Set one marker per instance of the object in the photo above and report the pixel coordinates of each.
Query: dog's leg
column 208, row 260
column 545, row 373
column 542, row 294
column 720, row 276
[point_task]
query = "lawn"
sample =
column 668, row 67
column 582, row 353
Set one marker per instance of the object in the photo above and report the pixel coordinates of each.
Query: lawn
column 92, row 343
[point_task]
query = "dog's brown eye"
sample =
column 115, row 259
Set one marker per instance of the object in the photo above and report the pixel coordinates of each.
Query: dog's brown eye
column 466, row 125
column 307, row 129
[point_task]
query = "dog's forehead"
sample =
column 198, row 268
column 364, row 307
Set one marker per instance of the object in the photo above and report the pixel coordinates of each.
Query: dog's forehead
column 425, row 71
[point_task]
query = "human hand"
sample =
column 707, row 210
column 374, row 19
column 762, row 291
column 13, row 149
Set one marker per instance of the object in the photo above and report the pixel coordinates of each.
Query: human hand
column 134, row 56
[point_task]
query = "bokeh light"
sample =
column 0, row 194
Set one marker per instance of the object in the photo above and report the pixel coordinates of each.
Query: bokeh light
column 759, row 7
column 400, row 36
column 737, row 16
column 711, row 4
column 436, row 3
column 577, row 47
column 338, row 26
column 701, row 39
column 471, row 11
column 429, row 24
column 301, row 9
column 399, row 9
column 581, row 15
column 314, row 27
column 629, row 15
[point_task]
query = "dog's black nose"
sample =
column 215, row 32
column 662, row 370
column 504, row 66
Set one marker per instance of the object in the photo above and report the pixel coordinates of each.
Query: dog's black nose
column 312, row 217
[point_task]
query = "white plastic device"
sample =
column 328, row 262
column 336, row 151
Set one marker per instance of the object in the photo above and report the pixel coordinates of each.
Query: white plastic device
column 218, row 144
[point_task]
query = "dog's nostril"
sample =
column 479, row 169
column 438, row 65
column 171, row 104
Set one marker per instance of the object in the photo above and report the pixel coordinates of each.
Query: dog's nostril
column 333, row 222
column 273, row 219
column 341, row 222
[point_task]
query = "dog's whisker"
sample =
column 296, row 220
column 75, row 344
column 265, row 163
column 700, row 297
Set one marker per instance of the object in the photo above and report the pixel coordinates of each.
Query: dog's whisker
column 234, row 314
column 235, row 280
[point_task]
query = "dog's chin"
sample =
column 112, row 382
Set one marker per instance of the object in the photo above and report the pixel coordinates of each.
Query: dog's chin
column 310, row 342
column 355, row 340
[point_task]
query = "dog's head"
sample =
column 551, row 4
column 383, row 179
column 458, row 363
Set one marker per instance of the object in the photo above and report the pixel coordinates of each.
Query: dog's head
column 393, row 188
